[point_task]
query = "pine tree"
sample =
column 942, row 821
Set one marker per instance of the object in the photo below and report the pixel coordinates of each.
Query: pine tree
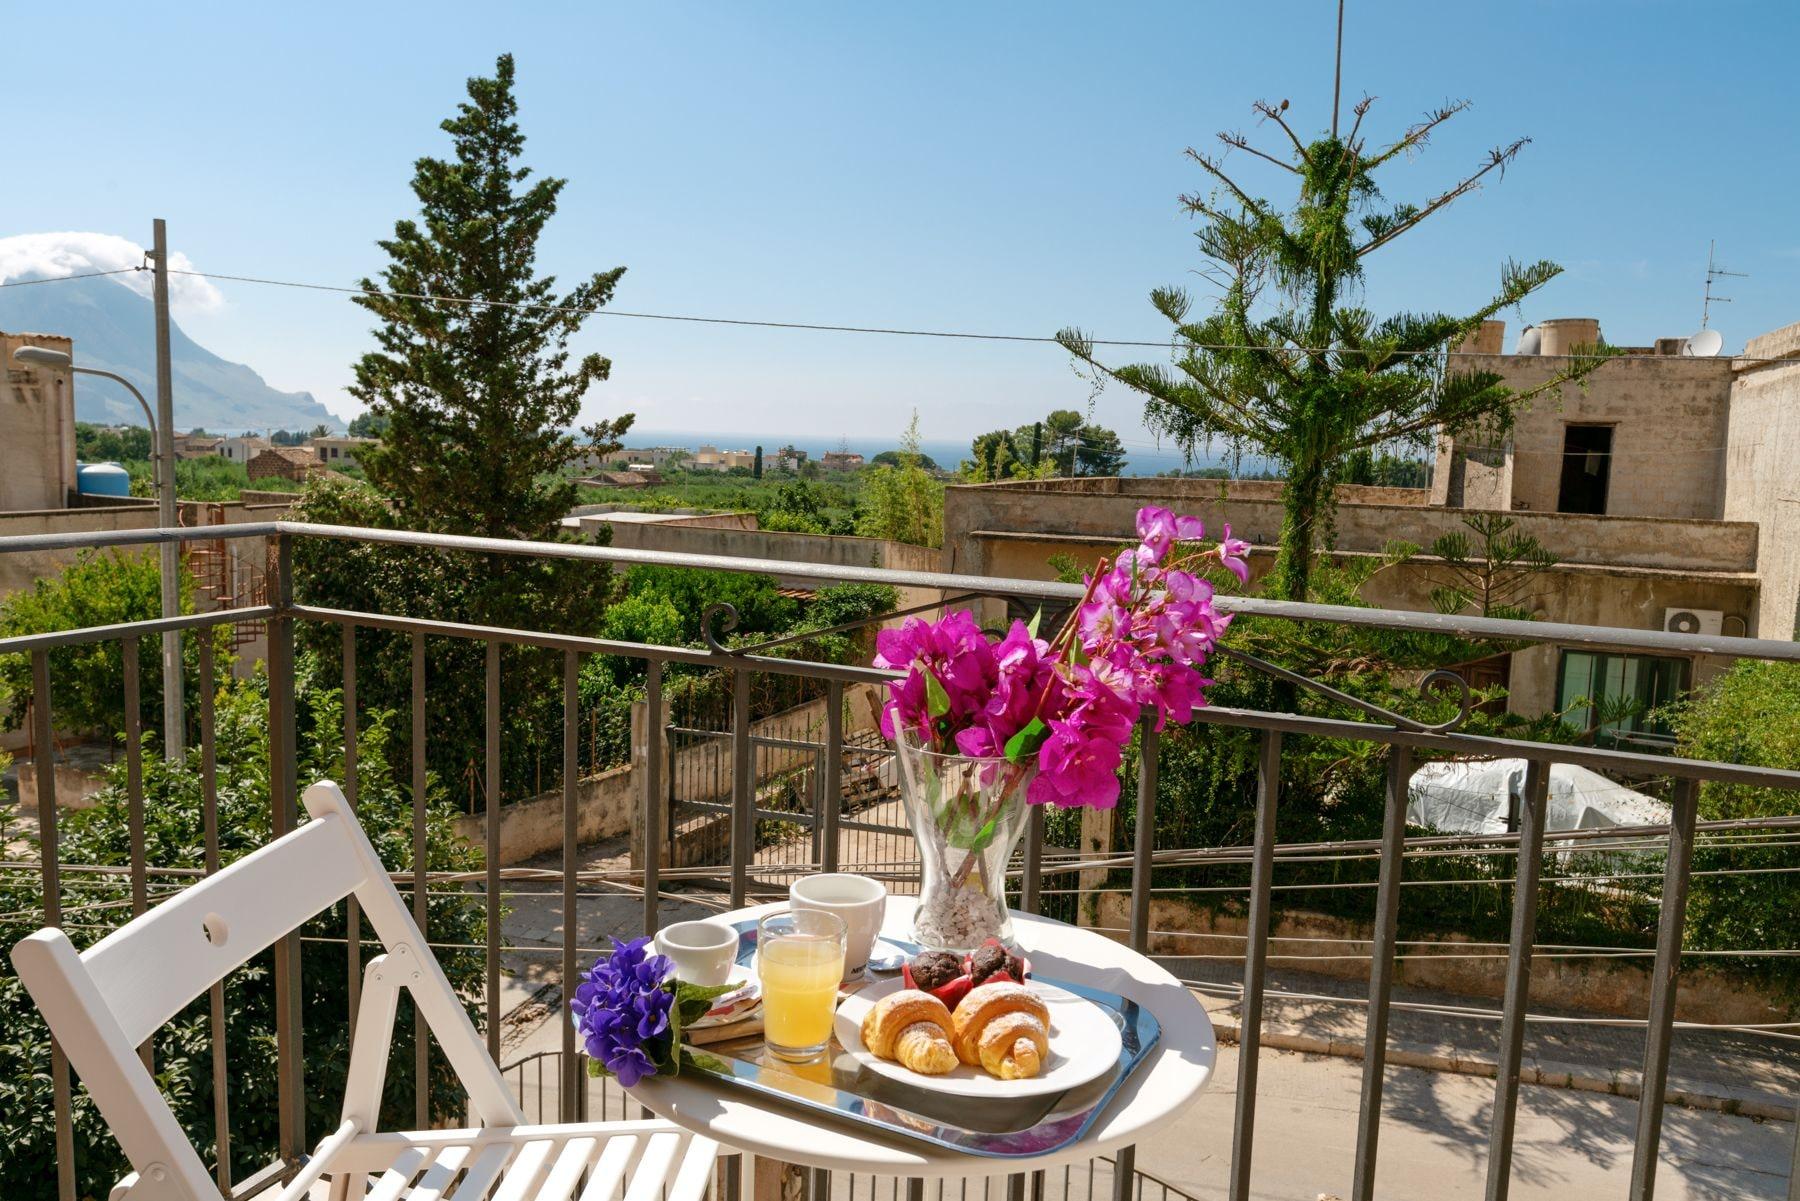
column 1287, row 365
column 478, row 398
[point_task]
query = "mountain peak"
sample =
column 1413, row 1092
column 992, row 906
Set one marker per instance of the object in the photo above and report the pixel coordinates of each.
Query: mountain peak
column 112, row 322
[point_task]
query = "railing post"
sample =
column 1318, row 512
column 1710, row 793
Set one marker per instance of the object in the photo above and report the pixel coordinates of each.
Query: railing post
column 1660, row 1026
column 50, row 870
column 1143, row 848
column 421, row 899
column 290, row 1064
column 1518, row 979
column 491, row 820
column 743, row 788
column 209, row 820
column 1031, row 871
column 572, row 1075
column 1256, row 961
column 653, row 795
column 1381, row 971
column 832, row 803
column 134, row 799
column 352, row 909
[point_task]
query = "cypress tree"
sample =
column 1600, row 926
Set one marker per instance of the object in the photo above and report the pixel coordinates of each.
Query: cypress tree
column 478, row 398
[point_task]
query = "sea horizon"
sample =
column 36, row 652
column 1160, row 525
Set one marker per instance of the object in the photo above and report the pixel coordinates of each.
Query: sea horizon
column 947, row 453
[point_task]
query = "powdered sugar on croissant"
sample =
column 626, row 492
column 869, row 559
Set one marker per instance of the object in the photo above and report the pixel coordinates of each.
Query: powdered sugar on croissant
column 912, row 1028
column 1003, row 1028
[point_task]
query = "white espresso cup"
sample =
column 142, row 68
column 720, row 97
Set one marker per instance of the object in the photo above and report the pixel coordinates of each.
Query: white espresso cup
column 860, row 901
column 702, row 952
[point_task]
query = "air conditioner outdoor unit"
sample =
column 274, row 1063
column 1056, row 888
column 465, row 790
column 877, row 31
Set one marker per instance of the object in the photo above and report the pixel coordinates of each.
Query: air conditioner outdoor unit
column 1693, row 621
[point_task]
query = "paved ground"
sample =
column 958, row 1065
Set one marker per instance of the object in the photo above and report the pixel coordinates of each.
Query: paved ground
column 1435, row 1123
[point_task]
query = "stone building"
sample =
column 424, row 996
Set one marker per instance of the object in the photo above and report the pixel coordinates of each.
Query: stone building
column 37, row 413
column 1667, row 487
column 339, row 450
column 284, row 462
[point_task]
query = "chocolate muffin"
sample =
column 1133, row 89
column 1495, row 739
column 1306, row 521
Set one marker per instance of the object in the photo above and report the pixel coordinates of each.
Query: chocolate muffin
column 933, row 969
column 993, row 958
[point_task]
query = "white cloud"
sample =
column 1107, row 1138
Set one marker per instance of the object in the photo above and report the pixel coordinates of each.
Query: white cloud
column 58, row 254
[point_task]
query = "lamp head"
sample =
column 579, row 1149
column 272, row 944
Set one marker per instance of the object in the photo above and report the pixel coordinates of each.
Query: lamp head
column 43, row 356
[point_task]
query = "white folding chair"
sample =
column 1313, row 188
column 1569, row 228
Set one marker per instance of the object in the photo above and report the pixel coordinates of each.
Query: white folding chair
column 103, row 1002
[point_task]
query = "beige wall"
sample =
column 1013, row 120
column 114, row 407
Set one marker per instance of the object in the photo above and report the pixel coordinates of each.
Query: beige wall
column 1762, row 481
column 996, row 530
column 978, row 519
column 37, row 418
column 1669, row 414
column 22, row 570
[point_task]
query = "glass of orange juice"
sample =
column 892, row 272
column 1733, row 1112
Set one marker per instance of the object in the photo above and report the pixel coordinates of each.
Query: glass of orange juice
column 799, row 961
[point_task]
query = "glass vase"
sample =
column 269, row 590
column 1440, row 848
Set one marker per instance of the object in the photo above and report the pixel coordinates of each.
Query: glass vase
column 967, row 815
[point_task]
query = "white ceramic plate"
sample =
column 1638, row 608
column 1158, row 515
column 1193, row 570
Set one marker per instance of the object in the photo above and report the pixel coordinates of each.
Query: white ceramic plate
column 1084, row 1045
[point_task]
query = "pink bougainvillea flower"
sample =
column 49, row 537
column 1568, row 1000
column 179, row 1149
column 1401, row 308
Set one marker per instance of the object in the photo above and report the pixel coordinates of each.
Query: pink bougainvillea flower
column 1234, row 553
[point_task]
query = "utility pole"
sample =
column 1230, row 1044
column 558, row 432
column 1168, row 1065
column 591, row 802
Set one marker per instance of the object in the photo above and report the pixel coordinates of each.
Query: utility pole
column 165, row 502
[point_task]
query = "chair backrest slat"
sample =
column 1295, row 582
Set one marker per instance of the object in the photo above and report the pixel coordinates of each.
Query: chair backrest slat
column 150, row 970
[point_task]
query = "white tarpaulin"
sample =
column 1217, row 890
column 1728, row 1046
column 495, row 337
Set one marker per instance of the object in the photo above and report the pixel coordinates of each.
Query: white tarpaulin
column 1478, row 797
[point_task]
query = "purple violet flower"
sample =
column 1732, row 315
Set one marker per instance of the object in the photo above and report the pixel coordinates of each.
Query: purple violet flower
column 621, row 1010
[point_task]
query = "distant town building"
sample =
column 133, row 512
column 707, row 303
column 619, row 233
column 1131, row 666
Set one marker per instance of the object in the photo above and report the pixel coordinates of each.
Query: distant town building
column 336, row 451
column 243, row 449
column 711, row 458
column 197, row 446
column 284, row 462
column 840, row 460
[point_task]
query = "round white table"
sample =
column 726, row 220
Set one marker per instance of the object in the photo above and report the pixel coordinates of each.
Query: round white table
column 1164, row 1084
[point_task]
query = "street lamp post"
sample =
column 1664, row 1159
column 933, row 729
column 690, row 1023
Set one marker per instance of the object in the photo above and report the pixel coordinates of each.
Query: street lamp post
column 162, row 468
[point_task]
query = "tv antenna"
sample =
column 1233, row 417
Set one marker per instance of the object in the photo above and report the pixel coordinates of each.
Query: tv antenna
column 1714, row 272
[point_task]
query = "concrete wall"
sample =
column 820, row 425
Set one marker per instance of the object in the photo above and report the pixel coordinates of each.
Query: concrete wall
column 1762, row 476
column 22, row 570
column 37, row 415
column 1620, row 987
column 1001, row 529
column 1670, row 417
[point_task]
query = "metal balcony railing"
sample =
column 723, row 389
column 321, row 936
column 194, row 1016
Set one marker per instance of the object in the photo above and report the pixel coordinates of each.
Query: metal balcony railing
column 1039, row 873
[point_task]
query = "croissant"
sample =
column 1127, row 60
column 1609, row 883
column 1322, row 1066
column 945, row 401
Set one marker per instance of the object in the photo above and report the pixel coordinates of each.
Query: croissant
column 912, row 1028
column 1003, row 1028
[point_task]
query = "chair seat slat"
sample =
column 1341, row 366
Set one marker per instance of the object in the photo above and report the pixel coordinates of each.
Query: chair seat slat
column 603, row 1184
column 438, row 1177
column 485, row 1169
column 394, row 1181
column 522, row 1178
column 696, row 1172
column 653, row 1169
column 574, row 1158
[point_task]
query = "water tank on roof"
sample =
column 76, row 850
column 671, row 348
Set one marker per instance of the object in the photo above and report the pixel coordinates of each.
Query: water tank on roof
column 1561, row 335
column 102, row 479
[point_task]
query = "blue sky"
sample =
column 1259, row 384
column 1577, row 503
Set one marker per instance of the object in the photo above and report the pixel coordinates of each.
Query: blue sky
column 1007, row 168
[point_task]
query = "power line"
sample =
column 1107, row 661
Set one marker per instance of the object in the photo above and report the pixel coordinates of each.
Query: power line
column 897, row 331
column 57, row 279
column 826, row 327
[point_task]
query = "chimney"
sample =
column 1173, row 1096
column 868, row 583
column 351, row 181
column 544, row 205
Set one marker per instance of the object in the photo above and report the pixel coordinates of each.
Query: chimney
column 1561, row 335
column 1485, row 339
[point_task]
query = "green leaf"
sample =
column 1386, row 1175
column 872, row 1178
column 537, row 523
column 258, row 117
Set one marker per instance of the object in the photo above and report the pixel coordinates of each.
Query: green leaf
column 703, row 1061
column 1036, row 618
column 937, row 701
column 693, row 1000
column 1026, row 742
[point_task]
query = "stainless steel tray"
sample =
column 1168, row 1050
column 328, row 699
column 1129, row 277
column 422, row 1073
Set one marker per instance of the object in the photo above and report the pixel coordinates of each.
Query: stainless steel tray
column 842, row 1087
